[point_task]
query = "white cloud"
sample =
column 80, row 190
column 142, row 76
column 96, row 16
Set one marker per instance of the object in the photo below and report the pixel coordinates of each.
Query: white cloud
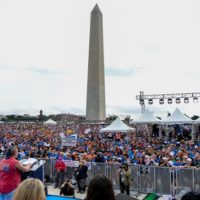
column 155, row 45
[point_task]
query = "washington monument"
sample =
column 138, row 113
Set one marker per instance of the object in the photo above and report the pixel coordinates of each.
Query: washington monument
column 95, row 108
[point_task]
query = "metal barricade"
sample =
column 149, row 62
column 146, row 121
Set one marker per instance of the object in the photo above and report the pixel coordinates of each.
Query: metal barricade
column 98, row 169
column 135, row 177
column 69, row 172
column 196, row 179
column 145, row 179
column 95, row 169
column 163, row 177
column 113, row 174
column 184, row 180
column 49, row 170
column 91, row 170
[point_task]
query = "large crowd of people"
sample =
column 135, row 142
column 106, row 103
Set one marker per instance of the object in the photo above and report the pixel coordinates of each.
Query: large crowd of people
column 20, row 141
column 39, row 141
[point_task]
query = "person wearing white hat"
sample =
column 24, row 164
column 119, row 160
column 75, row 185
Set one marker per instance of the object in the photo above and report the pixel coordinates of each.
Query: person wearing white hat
column 188, row 163
column 163, row 162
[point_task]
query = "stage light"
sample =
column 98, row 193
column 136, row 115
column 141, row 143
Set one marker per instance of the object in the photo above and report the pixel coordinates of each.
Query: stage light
column 150, row 101
column 195, row 100
column 141, row 101
column 186, row 100
column 161, row 101
column 178, row 100
column 169, row 101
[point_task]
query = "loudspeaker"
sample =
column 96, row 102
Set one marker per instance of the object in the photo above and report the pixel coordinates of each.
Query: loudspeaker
column 122, row 196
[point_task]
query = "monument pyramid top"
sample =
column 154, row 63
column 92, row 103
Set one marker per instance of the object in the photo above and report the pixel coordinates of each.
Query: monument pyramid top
column 96, row 9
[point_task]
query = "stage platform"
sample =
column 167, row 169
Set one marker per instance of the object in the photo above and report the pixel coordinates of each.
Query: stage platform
column 53, row 194
column 55, row 197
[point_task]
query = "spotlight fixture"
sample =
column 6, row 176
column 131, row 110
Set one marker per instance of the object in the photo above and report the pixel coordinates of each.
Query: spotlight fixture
column 150, row 101
column 141, row 101
column 169, row 101
column 195, row 100
column 161, row 101
column 186, row 100
column 178, row 100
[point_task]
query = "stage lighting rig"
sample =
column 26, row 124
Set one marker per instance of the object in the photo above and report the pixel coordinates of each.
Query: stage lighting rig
column 169, row 97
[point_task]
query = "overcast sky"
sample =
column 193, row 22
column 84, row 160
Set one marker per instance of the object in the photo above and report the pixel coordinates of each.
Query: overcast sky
column 151, row 46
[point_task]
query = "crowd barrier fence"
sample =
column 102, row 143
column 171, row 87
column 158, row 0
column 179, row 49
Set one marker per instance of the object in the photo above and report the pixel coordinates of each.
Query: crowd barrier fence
column 146, row 179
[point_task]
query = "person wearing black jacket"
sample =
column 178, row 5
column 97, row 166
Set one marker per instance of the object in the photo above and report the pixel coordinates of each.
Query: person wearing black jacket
column 100, row 158
column 81, row 176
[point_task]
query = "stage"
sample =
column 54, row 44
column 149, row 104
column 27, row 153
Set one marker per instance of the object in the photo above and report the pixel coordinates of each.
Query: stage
column 55, row 197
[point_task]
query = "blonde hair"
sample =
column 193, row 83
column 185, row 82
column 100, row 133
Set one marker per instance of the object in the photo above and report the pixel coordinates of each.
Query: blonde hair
column 30, row 189
column 83, row 162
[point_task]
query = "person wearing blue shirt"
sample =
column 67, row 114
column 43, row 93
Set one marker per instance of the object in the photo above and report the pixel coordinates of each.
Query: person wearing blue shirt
column 177, row 162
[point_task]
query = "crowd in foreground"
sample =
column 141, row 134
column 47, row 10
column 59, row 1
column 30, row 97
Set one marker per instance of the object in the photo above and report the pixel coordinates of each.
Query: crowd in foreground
column 36, row 140
column 100, row 187
column 11, row 187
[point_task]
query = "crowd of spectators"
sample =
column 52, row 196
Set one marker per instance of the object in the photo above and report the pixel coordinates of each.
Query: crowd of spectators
column 37, row 140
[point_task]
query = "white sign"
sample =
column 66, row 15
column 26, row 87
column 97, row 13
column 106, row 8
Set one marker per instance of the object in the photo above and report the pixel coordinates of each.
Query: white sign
column 62, row 135
column 71, row 163
column 69, row 141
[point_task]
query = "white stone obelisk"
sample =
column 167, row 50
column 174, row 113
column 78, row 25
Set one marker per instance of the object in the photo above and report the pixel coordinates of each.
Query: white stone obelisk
column 95, row 106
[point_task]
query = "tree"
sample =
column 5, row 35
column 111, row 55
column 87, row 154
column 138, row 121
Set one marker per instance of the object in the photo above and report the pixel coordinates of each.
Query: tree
column 127, row 119
column 111, row 117
column 10, row 117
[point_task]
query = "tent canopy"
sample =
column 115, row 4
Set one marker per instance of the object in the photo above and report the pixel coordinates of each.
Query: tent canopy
column 50, row 121
column 117, row 126
column 146, row 118
column 177, row 117
column 197, row 121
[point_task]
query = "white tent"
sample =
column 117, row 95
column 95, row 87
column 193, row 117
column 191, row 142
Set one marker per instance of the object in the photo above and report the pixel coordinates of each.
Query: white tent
column 117, row 126
column 50, row 121
column 146, row 118
column 197, row 121
column 177, row 117
column 1, row 122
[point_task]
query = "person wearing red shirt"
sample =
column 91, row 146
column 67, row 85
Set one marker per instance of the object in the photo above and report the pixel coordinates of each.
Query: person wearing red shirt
column 60, row 170
column 10, row 176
